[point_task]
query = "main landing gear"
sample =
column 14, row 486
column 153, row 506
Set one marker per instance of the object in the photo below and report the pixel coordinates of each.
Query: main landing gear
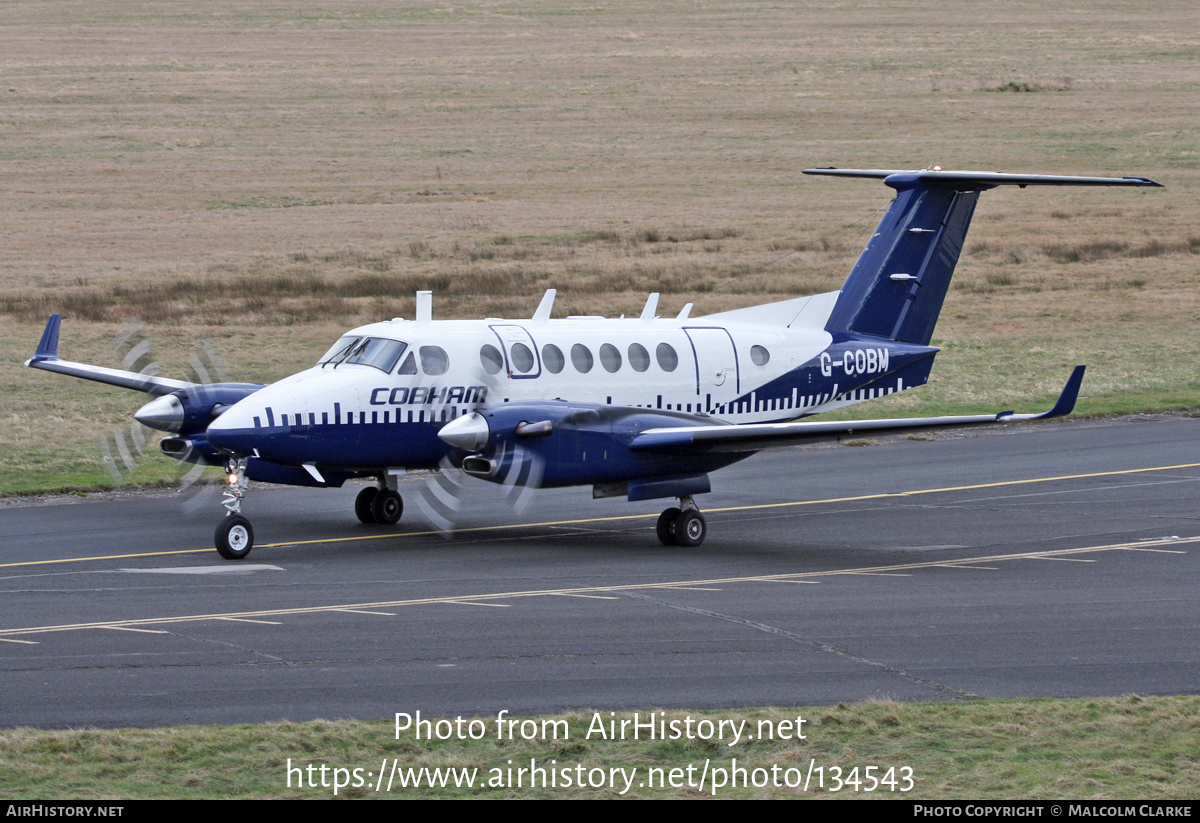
column 683, row 526
column 379, row 504
column 234, row 535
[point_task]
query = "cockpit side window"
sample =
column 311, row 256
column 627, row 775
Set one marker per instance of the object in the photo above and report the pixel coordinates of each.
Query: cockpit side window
column 409, row 366
column 434, row 360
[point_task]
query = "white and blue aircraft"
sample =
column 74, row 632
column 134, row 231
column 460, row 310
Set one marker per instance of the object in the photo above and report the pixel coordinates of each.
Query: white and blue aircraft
column 643, row 407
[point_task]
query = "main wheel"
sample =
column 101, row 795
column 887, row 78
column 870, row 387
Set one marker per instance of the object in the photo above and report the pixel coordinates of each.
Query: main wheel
column 666, row 527
column 234, row 537
column 690, row 528
column 362, row 504
column 387, row 507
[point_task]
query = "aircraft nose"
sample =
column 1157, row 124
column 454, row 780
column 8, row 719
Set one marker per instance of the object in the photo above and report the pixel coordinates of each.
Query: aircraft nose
column 235, row 431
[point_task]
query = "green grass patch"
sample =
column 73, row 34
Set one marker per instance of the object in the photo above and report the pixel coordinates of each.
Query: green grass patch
column 1092, row 748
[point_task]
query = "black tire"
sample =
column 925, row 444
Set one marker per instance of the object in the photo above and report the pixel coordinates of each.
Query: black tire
column 387, row 507
column 234, row 537
column 690, row 528
column 666, row 527
column 362, row 504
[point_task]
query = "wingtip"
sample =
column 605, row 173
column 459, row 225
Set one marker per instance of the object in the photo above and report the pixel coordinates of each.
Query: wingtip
column 1070, row 393
column 1062, row 407
column 1138, row 180
column 48, row 346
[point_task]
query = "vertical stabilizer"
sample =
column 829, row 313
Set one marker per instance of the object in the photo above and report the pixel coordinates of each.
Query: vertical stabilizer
column 896, row 289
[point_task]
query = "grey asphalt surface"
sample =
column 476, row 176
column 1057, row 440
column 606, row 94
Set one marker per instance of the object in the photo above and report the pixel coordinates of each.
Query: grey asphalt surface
column 1056, row 559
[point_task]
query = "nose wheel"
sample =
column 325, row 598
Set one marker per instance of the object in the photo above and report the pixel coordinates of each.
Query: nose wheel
column 683, row 526
column 234, row 537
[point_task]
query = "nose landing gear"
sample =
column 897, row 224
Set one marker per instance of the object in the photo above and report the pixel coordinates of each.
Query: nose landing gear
column 234, row 535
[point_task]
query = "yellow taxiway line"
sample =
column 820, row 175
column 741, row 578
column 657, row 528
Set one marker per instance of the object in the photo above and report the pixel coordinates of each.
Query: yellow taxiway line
column 616, row 518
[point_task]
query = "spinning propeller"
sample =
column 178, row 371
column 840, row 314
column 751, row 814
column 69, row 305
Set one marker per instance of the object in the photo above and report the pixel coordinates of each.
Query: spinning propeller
column 124, row 447
column 505, row 461
column 182, row 408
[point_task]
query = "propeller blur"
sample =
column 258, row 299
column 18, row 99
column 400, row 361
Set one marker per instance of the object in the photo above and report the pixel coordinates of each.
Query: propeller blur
column 643, row 407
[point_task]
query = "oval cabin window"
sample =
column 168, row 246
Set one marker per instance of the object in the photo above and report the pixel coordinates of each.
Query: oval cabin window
column 552, row 358
column 639, row 358
column 667, row 358
column 581, row 358
column 491, row 359
column 610, row 358
column 522, row 358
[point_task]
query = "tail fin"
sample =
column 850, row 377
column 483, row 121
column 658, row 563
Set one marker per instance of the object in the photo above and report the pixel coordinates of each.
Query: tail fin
column 895, row 290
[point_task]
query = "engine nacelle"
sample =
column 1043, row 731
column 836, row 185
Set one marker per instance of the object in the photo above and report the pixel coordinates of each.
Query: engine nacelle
column 189, row 411
column 193, row 448
column 574, row 443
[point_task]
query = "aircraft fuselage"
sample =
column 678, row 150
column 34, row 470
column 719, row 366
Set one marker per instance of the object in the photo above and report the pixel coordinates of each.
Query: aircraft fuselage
column 357, row 417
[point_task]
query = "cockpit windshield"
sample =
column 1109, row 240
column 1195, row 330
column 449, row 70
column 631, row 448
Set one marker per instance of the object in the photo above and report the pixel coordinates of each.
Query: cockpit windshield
column 368, row 351
column 339, row 351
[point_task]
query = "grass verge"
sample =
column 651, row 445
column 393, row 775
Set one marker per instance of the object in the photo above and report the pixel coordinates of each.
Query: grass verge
column 1120, row 747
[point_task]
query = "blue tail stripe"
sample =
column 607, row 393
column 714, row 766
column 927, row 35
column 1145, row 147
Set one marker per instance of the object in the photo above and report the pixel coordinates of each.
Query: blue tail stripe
column 48, row 347
column 919, row 241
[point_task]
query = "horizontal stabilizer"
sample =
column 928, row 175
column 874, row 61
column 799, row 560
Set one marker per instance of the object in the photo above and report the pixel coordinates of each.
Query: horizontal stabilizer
column 979, row 180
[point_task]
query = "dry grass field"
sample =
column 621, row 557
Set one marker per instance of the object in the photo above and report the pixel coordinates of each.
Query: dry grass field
column 268, row 174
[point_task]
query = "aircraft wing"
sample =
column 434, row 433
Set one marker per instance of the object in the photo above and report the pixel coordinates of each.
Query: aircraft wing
column 46, row 358
column 757, row 436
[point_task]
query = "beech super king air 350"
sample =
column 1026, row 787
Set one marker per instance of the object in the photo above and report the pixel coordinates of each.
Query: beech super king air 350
column 643, row 407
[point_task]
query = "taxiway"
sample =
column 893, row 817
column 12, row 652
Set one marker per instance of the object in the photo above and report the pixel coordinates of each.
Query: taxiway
column 1057, row 559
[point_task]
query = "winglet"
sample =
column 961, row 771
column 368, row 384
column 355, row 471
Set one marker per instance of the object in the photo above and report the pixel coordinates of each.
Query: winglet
column 48, row 347
column 1070, row 393
column 1062, row 407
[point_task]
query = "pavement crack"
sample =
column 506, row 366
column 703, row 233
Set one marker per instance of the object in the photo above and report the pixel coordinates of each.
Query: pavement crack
column 273, row 658
column 941, row 688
